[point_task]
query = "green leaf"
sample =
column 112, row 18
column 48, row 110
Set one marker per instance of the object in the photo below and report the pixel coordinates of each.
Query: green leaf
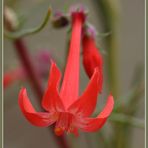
column 126, row 119
column 25, row 32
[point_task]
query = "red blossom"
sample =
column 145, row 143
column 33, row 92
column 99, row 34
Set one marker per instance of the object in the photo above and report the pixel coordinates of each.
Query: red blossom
column 42, row 63
column 13, row 75
column 65, row 107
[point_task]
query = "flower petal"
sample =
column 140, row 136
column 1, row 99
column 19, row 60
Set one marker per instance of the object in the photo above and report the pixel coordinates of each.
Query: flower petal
column 85, row 105
column 42, row 119
column 51, row 99
column 70, row 86
column 93, row 124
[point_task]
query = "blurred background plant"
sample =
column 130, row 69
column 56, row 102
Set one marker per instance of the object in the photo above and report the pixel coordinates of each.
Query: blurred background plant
column 31, row 28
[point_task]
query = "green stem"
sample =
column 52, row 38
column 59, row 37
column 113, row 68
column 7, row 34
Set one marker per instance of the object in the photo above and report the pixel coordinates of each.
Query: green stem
column 126, row 119
column 30, row 31
column 108, row 13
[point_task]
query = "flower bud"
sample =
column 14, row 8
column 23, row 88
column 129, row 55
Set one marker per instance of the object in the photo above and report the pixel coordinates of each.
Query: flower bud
column 59, row 20
column 92, row 58
column 10, row 19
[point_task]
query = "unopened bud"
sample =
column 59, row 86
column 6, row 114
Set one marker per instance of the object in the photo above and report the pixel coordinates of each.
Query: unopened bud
column 10, row 18
column 60, row 20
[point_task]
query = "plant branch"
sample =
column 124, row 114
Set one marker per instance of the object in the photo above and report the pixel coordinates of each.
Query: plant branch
column 35, row 81
column 108, row 13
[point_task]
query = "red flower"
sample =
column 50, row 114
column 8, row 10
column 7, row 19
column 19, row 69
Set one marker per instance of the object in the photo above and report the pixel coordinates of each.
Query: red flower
column 91, row 55
column 41, row 60
column 12, row 76
column 66, row 108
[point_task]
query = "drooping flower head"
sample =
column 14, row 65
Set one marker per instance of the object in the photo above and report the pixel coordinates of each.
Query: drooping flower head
column 63, row 105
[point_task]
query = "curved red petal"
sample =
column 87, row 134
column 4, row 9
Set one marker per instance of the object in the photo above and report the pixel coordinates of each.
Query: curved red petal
column 85, row 105
column 51, row 99
column 41, row 119
column 94, row 124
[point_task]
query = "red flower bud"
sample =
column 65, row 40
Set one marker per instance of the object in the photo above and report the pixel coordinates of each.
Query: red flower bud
column 92, row 58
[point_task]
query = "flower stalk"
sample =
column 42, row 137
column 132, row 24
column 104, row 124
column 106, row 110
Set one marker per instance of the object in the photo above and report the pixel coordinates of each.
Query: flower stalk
column 108, row 12
column 109, row 18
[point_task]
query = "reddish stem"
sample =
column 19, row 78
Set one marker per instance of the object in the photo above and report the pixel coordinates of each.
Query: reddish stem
column 32, row 73
column 34, row 79
column 29, row 67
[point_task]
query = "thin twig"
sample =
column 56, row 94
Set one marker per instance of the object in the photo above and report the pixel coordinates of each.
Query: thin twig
column 108, row 13
column 26, row 61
